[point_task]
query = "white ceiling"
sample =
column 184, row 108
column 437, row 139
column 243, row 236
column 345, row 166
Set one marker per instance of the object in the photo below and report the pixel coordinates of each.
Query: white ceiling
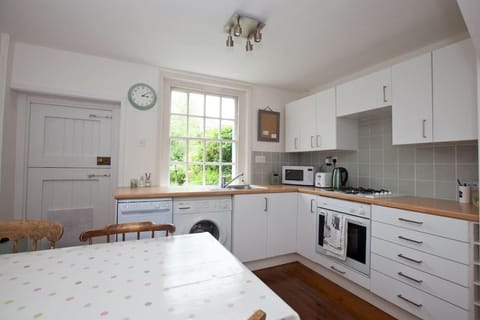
column 306, row 43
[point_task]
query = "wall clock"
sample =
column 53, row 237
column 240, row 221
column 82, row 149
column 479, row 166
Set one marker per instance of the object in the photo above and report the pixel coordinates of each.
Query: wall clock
column 142, row 96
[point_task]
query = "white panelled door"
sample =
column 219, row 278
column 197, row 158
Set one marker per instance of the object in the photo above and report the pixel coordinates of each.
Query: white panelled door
column 67, row 182
column 63, row 136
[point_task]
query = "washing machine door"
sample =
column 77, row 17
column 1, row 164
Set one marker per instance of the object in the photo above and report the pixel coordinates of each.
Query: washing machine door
column 207, row 226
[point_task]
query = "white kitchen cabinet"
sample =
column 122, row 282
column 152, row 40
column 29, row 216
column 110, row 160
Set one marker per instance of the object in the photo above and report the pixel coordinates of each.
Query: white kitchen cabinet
column 455, row 92
column 412, row 107
column 264, row 225
column 366, row 93
column 422, row 263
column 311, row 125
column 306, row 223
column 435, row 96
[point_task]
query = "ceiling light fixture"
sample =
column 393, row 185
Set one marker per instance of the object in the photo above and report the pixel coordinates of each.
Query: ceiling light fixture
column 244, row 27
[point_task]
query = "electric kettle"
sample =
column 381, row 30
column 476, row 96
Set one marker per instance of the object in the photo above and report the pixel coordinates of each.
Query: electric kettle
column 339, row 178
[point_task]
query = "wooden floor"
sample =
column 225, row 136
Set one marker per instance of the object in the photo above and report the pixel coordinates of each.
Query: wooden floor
column 315, row 297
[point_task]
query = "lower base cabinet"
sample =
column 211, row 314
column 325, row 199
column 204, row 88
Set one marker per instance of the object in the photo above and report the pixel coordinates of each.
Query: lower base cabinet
column 264, row 225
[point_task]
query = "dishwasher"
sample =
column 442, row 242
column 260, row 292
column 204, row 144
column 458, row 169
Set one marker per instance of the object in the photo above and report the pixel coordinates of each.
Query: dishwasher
column 136, row 210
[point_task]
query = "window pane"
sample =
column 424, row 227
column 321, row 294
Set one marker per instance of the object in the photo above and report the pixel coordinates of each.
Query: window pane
column 178, row 149
column 177, row 175
column 178, row 126
column 227, row 129
column 195, row 151
column 211, row 175
column 212, row 128
column 195, row 104
column 227, row 152
column 195, row 175
column 213, row 106
column 179, row 102
column 195, row 127
column 228, row 108
column 212, row 153
column 227, row 172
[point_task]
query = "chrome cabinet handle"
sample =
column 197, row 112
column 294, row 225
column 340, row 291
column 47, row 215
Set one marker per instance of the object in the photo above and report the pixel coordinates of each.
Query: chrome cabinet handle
column 266, row 204
column 95, row 116
column 401, row 274
column 184, row 208
column 411, row 240
column 384, row 94
column 311, row 205
column 423, row 128
column 339, row 271
column 411, row 221
column 318, row 143
column 419, row 305
column 295, row 142
column 91, row 175
column 409, row 259
column 311, row 142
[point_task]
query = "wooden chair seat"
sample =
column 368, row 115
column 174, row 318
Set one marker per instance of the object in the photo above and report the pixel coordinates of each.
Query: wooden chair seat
column 124, row 228
column 34, row 230
column 258, row 315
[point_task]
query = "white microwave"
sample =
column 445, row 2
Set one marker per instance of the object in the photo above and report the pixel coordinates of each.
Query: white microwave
column 300, row 175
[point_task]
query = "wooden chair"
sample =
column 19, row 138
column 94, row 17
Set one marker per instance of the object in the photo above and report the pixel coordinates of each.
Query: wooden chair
column 34, row 230
column 258, row 315
column 123, row 228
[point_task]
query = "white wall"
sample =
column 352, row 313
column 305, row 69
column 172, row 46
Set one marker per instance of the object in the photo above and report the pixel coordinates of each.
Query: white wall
column 50, row 71
column 276, row 100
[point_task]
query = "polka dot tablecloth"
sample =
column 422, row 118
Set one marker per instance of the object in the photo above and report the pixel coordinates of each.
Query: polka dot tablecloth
column 179, row 277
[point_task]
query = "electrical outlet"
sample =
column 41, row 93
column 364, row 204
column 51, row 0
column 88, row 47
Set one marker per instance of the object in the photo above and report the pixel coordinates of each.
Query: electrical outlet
column 328, row 161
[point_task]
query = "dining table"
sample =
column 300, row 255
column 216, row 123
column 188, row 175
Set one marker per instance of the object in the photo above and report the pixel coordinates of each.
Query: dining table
column 176, row 277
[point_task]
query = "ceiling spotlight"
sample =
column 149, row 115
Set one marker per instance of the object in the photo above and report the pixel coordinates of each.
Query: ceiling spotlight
column 249, row 45
column 257, row 36
column 237, row 29
column 243, row 27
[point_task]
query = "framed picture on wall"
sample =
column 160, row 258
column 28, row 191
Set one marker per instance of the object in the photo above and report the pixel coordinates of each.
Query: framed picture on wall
column 268, row 125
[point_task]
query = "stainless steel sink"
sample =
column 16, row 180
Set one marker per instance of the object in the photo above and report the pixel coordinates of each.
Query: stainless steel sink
column 244, row 186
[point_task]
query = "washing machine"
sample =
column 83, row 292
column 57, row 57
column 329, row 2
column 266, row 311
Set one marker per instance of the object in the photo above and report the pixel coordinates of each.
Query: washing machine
column 205, row 214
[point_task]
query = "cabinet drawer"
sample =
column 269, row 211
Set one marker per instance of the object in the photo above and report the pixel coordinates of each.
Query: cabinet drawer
column 446, row 227
column 445, row 269
column 439, row 246
column 343, row 271
column 427, row 306
column 443, row 289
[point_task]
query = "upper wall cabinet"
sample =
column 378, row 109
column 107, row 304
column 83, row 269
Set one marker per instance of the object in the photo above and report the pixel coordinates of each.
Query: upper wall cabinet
column 412, row 106
column 366, row 93
column 455, row 93
column 435, row 96
column 311, row 125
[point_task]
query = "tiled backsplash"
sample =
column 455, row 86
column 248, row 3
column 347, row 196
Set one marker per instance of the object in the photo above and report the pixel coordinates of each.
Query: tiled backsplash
column 424, row 170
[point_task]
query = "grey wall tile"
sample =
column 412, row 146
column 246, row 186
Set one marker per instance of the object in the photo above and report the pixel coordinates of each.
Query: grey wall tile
column 406, row 187
column 446, row 190
column 445, row 154
column 467, row 154
column 406, row 154
column 376, row 156
column 376, row 171
column 424, row 188
column 364, row 170
column 445, row 172
column 390, row 171
column 467, row 173
column 406, row 171
column 424, row 155
column 424, row 171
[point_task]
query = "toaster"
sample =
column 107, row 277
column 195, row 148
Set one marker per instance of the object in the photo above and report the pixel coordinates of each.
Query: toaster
column 323, row 180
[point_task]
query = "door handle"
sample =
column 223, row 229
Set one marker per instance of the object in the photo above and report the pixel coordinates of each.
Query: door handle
column 91, row 175
column 411, row 240
column 409, row 259
column 266, row 204
column 184, row 208
column 408, row 277
column 336, row 270
column 318, row 138
column 311, row 205
column 295, row 142
column 409, row 301
column 95, row 116
column 410, row 221
column 423, row 128
column 384, row 94
column 311, row 142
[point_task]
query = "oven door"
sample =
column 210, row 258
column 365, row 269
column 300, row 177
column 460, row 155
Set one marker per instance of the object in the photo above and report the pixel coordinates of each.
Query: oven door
column 357, row 239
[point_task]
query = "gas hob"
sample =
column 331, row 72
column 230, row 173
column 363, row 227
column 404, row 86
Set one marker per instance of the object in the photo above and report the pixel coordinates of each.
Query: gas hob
column 365, row 192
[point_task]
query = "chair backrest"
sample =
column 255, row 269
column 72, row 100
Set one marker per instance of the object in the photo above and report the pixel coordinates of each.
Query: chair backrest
column 124, row 228
column 258, row 315
column 34, row 230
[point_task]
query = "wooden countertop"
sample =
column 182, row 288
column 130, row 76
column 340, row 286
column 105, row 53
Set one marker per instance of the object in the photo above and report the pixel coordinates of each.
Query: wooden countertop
column 446, row 208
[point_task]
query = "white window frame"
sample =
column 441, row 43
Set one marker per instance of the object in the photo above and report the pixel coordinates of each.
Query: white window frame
column 209, row 86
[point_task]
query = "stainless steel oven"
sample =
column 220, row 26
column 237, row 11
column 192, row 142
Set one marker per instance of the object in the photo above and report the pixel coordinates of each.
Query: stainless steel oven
column 357, row 231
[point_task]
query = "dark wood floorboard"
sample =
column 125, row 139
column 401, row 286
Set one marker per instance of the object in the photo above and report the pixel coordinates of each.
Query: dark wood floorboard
column 314, row 297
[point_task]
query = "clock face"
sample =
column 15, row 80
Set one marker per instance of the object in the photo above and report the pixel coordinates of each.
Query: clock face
column 142, row 96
